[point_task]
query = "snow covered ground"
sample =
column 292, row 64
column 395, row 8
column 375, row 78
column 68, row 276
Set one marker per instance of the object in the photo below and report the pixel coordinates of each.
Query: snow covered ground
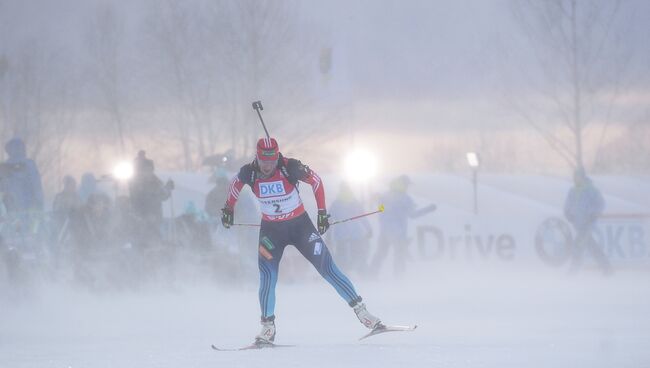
column 467, row 317
column 478, row 301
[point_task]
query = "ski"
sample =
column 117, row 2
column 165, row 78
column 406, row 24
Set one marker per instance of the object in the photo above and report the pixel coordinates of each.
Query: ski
column 388, row 328
column 253, row 346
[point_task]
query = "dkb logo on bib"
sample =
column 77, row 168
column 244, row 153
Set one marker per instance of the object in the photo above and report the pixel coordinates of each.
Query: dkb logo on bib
column 271, row 189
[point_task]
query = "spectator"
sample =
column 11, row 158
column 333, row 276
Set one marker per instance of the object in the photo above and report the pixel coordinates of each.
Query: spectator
column 20, row 180
column 147, row 193
column 125, row 222
column 582, row 207
column 91, row 229
column 68, row 199
column 217, row 195
column 92, row 224
column 393, row 223
column 193, row 229
column 65, row 202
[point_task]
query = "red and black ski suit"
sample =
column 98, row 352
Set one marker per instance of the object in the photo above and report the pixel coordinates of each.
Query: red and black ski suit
column 284, row 222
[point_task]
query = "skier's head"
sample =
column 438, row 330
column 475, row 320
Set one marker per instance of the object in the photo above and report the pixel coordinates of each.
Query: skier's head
column 268, row 153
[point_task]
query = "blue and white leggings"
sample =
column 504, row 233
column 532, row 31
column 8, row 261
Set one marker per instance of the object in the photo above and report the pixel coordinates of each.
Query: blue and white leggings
column 300, row 232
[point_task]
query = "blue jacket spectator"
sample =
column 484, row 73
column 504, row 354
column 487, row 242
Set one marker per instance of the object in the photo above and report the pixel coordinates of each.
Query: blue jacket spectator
column 584, row 203
column 400, row 208
column 20, row 179
column 394, row 222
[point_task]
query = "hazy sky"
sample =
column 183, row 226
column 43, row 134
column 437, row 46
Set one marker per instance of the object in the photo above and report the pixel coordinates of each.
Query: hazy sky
column 391, row 49
column 418, row 65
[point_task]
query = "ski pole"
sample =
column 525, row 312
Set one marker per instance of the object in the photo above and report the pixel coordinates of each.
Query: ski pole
column 252, row 225
column 381, row 209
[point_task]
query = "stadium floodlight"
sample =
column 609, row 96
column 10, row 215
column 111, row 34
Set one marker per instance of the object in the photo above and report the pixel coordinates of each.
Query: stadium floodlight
column 123, row 171
column 360, row 166
column 473, row 160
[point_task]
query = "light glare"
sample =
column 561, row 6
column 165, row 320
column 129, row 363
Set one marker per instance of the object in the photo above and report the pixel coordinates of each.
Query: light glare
column 472, row 159
column 360, row 165
column 123, row 171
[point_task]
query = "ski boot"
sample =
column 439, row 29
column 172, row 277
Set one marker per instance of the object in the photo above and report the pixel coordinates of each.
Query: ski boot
column 370, row 321
column 267, row 335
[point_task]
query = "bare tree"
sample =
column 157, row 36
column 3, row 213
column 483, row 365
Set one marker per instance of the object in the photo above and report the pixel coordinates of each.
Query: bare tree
column 271, row 58
column 105, row 43
column 582, row 62
column 219, row 56
column 176, row 34
column 35, row 104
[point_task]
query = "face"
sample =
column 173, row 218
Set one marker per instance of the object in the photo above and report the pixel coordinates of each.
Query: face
column 267, row 167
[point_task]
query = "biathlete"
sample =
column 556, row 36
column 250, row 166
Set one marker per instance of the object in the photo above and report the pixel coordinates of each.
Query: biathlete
column 274, row 181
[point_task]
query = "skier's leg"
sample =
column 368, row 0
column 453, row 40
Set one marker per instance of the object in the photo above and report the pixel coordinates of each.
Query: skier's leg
column 312, row 246
column 319, row 256
column 268, row 279
column 270, row 249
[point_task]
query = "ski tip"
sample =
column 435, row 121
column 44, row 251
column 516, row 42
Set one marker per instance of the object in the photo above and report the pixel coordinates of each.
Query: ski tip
column 389, row 328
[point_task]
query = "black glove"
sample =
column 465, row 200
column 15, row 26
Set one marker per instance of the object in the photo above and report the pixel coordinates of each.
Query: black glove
column 227, row 217
column 323, row 221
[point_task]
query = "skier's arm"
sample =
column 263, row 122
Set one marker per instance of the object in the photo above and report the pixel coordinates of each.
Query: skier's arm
column 303, row 173
column 317, row 187
column 234, row 189
column 228, row 211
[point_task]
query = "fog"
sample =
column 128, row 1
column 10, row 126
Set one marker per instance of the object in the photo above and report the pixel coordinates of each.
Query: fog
column 537, row 254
